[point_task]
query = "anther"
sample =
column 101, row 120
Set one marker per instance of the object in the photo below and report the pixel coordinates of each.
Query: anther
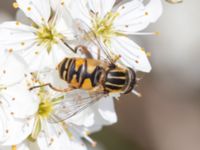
column 137, row 93
column 62, row 2
column 29, row 8
column 146, row 13
column 22, row 43
column 10, row 50
column 17, row 23
column 157, row 33
column 14, row 147
column 7, row 131
column 15, row 5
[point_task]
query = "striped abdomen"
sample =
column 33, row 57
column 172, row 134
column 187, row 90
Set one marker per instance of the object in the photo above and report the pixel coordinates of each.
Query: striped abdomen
column 119, row 80
column 80, row 73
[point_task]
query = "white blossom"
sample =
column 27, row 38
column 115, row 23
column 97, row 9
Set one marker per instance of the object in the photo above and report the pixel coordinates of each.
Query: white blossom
column 113, row 24
column 39, row 43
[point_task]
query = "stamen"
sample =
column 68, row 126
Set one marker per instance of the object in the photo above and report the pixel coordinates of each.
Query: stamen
column 137, row 93
column 10, row 50
column 62, row 2
column 15, row 5
column 14, row 147
column 145, row 33
column 17, row 23
column 29, row 8
column 93, row 143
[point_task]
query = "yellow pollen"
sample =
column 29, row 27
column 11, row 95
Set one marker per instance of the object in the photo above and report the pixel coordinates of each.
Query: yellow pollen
column 17, row 23
column 62, row 2
column 42, row 19
column 29, row 8
column 14, row 147
column 22, row 43
column 10, row 50
column 157, row 33
column 148, row 54
column 146, row 13
column 15, row 5
column 104, row 26
column 45, row 108
column 36, row 53
column 47, row 36
column 142, row 49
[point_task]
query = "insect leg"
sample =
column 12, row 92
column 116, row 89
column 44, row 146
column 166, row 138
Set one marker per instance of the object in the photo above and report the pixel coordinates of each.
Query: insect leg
column 98, row 54
column 83, row 50
column 52, row 87
column 66, row 44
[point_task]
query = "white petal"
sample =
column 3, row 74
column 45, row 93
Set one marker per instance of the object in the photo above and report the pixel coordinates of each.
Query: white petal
column 79, row 10
column 102, row 7
column 21, row 17
column 48, row 136
column 12, row 68
column 22, row 146
column 16, row 36
column 154, row 9
column 132, row 17
column 107, row 110
column 39, row 11
column 21, row 101
column 3, row 121
column 65, row 24
column 64, row 143
column 38, row 58
column 53, row 141
column 18, row 131
column 131, row 54
column 84, row 118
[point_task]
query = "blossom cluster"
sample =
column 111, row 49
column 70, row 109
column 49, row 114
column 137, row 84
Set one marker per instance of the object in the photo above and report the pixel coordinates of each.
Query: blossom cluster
column 33, row 46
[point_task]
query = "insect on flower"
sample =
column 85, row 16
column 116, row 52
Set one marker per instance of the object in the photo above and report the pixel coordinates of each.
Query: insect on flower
column 89, row 79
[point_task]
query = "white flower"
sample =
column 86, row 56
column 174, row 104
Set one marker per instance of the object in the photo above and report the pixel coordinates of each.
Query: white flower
column 29, row 115
column 11, row 73
column 40, row 44
column 112, row 25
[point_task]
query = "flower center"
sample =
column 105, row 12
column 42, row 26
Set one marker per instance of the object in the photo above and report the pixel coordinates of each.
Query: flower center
column 45, row 108
column 103, row 27
column 47, row 35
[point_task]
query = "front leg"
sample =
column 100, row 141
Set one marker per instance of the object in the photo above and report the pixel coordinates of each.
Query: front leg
column 83, row 50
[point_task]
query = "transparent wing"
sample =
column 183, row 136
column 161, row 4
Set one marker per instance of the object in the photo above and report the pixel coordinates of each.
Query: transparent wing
column 74, row 102
column 85, row 33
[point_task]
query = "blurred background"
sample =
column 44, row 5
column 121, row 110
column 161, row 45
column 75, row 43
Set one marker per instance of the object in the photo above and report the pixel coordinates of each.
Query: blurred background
column 167, row 117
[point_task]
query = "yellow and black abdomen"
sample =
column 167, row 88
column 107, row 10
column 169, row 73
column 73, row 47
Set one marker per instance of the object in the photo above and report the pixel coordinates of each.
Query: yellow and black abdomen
column 115, row 80
column 80, row 73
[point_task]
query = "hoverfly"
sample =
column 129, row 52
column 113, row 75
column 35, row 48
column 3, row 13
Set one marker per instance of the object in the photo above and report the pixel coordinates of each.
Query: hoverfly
column 89, row 79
